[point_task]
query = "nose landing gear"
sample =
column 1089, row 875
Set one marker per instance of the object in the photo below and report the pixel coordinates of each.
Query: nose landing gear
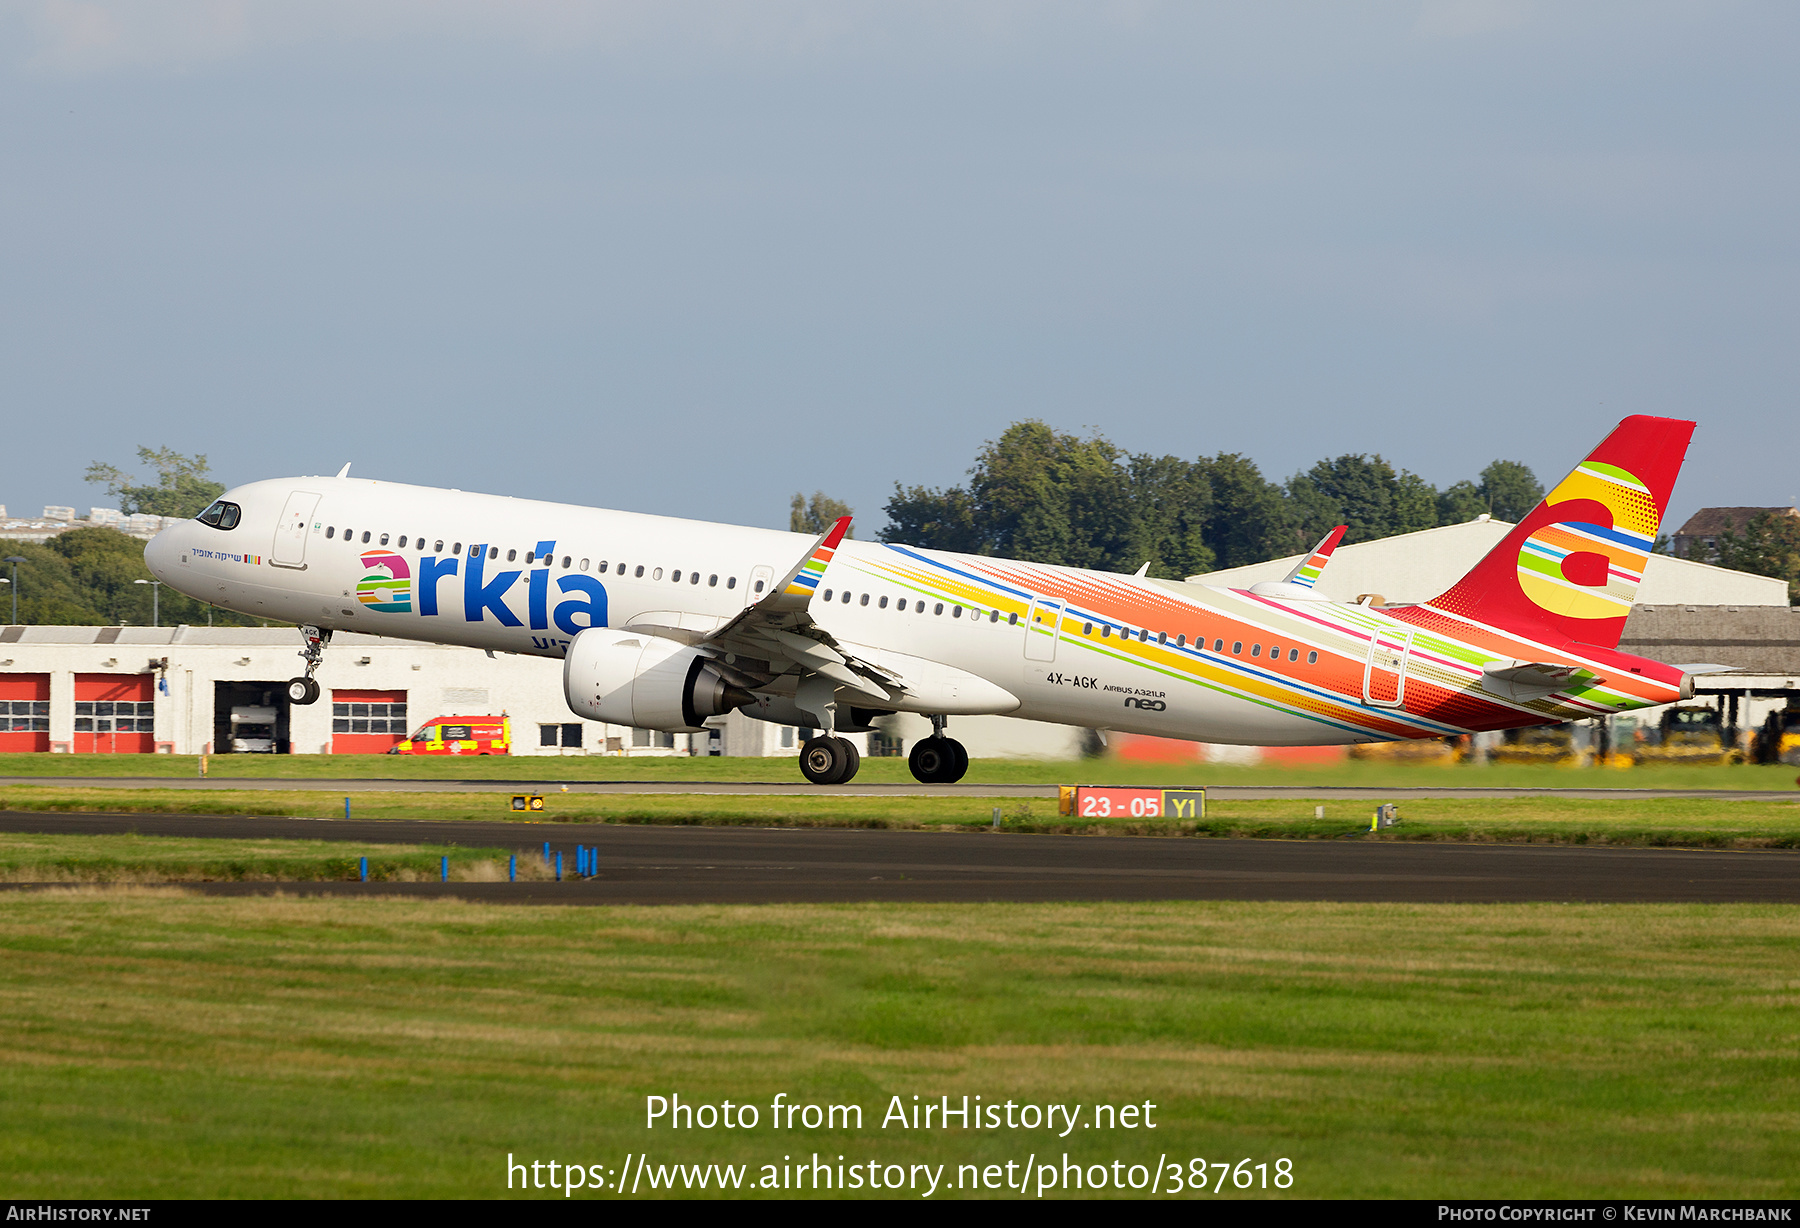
column 938, row 760
column 304, row 689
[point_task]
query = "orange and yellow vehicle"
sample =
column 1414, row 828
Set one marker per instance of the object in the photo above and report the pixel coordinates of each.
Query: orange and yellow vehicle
column 459, row 735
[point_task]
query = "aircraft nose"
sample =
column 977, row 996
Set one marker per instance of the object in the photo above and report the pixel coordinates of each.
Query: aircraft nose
column 160, row 552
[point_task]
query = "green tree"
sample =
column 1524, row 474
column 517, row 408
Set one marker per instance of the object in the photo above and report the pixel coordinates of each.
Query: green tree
column 935, row 519
column 1251, row 519
column 182, row 486
column 1511, row 490
column 1364, row 492
column 1460, row 503
column 1768, row 546
column 815, row 516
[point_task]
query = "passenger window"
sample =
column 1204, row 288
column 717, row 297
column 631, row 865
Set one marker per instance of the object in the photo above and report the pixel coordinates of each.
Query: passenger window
column 530, row 556
column 1274, row 652
column 383, row 541
column 1143, row 635
column 512, row 556
column 1012, row 620
column 759, row 586
column 456, row 549
column 656, row 574
column 1181, row 641
column 920, row 609
column 940, row 608
column 330, row 530
column 846, row 597
column 1087, row 628
column 828, row 594
column 636, row 575
column 1106, row 631
column 712, row 581
column 956, row 612
column 1162, row 637
column 675, row 576
column 1312, row 658
column 1237, row 646
column 604, row 566
column 583, row 565
column 865, row 600
column 1293, row 654
column 622, row 570
column 438, row 548
column 693, row 577
column 493, row 551
column 993, row 616
column 731, row 582
column 566, row 563
column 1256, row 650
column 402, row 541
column 882, row 604
column 365, row 537
column 1218, row 645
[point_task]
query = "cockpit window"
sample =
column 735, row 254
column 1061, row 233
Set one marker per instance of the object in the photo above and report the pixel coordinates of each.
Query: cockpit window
column 221, row 515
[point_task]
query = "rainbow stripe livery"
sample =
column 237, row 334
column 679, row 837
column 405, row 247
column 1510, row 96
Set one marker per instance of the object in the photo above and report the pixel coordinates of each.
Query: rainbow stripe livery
column 805, row 580
column 1306, row 574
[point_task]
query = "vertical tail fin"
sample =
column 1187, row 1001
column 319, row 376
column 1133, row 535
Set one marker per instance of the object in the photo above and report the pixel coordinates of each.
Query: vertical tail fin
column 1570, row 570
column 1306, row 571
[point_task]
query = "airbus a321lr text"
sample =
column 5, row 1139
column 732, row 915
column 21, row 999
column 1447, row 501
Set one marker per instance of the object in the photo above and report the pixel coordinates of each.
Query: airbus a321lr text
column 662, row 623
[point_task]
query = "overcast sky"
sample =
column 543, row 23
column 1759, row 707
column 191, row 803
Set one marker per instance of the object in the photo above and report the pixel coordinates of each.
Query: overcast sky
column 690, row 257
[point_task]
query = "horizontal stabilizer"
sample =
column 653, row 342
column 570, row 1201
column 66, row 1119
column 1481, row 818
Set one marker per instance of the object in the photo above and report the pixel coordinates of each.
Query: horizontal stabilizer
column 1522, row 681
column 1705, row 669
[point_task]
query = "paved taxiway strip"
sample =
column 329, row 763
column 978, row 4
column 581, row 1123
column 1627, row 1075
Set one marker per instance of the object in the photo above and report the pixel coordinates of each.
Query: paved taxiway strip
column 801, row 789
column 695, row 865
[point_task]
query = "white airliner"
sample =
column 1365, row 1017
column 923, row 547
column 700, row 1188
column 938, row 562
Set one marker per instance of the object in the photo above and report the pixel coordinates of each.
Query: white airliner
column 662, row 623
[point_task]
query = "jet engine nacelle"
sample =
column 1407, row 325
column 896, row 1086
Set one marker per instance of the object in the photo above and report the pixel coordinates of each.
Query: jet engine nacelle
column 645, row 681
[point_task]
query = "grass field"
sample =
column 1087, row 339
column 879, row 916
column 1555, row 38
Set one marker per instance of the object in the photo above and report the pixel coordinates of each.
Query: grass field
column 1674, row 822
column 1364, row 774
column 159, row 1045
column 27, row 857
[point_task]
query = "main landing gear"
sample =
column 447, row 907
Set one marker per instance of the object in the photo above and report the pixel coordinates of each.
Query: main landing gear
column 938, row 760
column 829, row 760
column 304, row 690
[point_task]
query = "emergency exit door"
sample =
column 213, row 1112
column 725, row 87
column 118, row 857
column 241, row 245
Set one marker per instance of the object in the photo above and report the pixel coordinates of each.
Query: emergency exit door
column 289, row 549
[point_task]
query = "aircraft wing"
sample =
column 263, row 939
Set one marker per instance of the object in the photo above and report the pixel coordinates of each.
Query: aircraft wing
column 778, row 632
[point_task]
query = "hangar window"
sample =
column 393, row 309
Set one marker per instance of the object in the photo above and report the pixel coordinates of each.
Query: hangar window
column 1312, row 658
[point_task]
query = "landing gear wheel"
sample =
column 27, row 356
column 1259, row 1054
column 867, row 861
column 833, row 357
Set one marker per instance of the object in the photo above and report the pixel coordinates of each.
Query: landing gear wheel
column 829, row 761
column 938, row 761
column 302, row 691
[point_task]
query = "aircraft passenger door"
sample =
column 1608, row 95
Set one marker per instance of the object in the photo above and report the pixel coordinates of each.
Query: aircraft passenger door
column 1042, row 627
column 290, row 534
column 1384, row 672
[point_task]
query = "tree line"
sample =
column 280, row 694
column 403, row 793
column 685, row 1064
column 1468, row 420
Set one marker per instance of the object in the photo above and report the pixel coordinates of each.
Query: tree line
column 1049, row 496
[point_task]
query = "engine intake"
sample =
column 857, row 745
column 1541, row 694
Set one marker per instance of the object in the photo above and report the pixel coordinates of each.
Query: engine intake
column 645, row 681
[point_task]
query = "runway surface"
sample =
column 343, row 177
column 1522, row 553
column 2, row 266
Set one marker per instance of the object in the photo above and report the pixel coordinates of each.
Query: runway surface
column 696, row 865
column 800, row 788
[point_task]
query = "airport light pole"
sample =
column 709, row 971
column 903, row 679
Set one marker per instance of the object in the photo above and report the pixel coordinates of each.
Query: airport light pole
column 15, row 560
column 155, row 600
